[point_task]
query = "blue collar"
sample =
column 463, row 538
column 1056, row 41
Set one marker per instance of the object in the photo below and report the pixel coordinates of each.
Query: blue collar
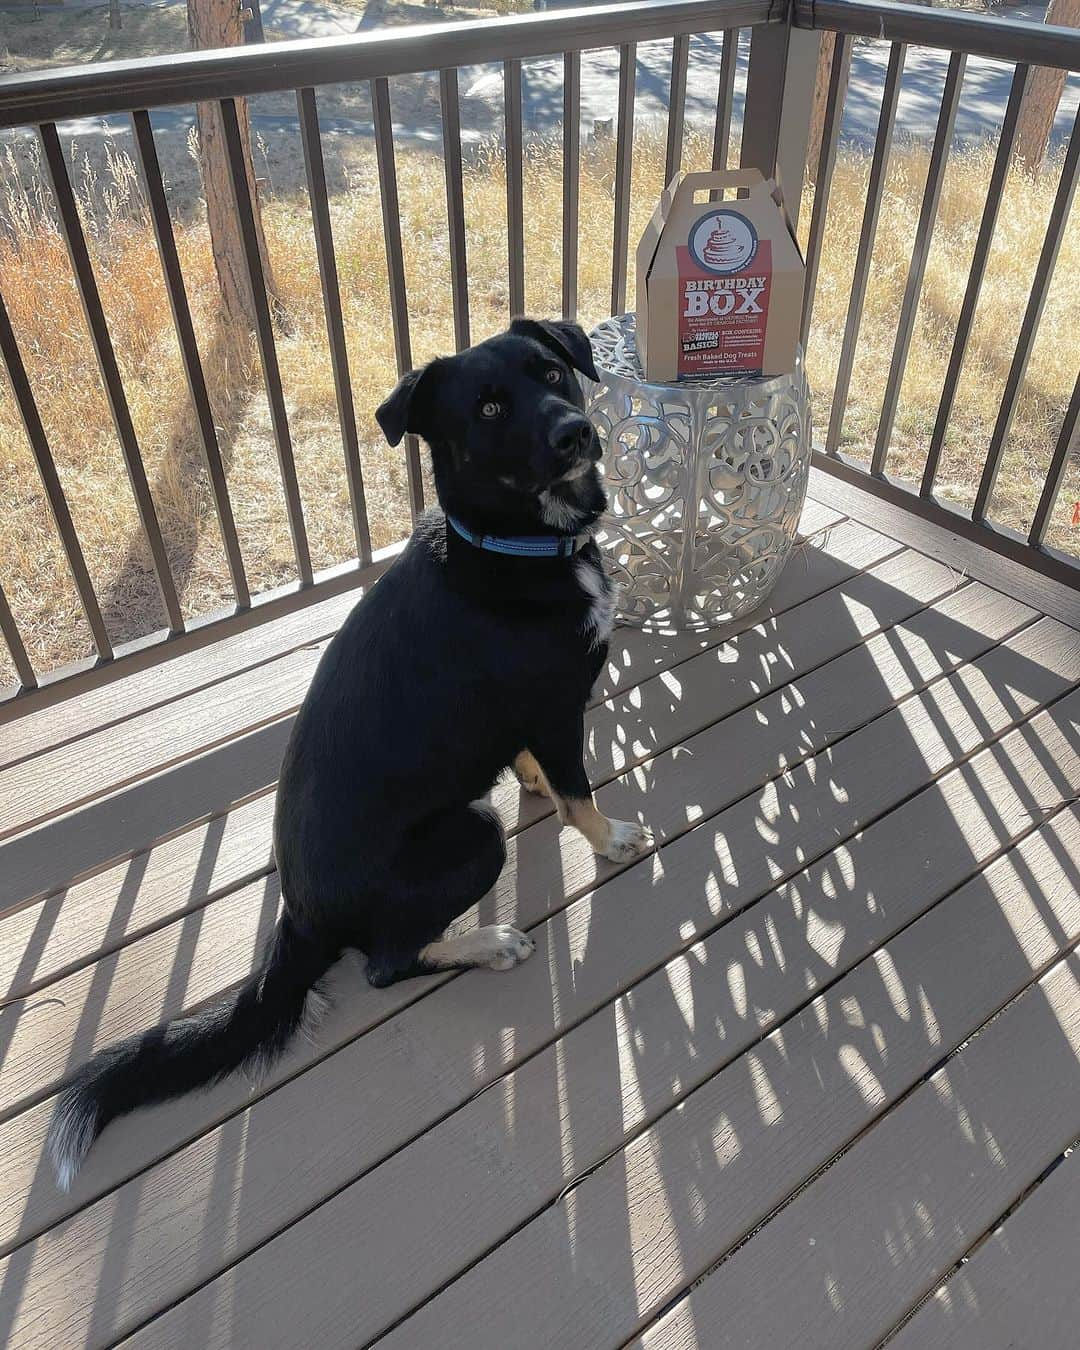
column 522, row 546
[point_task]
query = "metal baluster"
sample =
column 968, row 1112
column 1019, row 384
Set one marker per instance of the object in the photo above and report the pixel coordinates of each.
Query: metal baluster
column 878, row 167
column 830, row 139
column 515, row 202
column 924, row 233
column 624, row 151
column 571, row 154
column 455, row 204
column 189, row 351
column 680, row 55
column 10, row 632
column 1055, row 230
column 50, row 481
column 395, row 268
column 998, row 176
column 1067, row 445
column 725, row 97
column 335, row 324
column 776, row 110
column 264, row 335
column 110, row 371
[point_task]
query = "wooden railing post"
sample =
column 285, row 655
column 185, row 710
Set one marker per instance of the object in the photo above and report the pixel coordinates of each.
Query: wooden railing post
column 779, row 98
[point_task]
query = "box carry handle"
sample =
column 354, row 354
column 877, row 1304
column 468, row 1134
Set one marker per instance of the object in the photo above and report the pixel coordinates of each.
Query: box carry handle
column 710, row 179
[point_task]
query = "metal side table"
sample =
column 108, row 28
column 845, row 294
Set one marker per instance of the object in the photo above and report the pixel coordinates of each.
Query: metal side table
column 706, row 483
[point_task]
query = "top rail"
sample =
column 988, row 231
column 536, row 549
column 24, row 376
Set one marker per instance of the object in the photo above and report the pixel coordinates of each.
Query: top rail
column 126, row 86
column 1037, row 44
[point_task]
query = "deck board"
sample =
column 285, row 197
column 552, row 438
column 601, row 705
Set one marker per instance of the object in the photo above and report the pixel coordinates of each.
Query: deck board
column 873, row 775
column 1020, row 1287
column 787, row 726
column 46, row 938
column 62, row 723
column 877, row 1230
column 984, row 564
column 830, row 558
column 58, row 780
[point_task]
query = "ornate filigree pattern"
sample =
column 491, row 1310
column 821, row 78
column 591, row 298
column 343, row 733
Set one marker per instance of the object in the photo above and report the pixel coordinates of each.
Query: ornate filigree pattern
column 706, row 482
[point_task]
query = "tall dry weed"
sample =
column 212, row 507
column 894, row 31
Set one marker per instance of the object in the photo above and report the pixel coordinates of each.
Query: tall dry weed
column 46, row 313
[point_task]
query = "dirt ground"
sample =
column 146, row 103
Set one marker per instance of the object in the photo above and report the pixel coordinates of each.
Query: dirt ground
column 58, row 36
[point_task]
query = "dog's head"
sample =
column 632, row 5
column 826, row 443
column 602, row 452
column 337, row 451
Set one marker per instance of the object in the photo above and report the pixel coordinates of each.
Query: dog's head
column 512, row 449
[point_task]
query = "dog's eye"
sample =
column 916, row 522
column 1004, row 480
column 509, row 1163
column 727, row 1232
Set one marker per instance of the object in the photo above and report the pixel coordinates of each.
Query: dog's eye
column 553, row 374
column 489, row 408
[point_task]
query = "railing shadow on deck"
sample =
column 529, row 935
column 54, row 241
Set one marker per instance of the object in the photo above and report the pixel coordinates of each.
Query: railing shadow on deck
column 693, row 1006
column 814, row 932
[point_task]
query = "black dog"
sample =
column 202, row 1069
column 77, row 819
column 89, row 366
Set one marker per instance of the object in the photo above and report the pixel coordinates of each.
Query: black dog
column 475, row 651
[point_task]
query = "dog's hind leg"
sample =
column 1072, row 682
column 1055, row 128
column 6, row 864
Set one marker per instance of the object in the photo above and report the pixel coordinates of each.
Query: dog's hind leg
column 496, row 946
column 453, row 861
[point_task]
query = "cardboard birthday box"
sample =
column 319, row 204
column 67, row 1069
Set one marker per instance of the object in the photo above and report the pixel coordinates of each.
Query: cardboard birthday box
column 719, row 282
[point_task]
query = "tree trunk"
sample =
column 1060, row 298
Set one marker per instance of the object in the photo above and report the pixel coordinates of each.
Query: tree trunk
column 114, row 14
column 821, row 100
column 211, row 24
column 1043, row 94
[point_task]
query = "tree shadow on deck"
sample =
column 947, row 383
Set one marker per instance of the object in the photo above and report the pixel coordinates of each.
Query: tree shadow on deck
column 746, row 963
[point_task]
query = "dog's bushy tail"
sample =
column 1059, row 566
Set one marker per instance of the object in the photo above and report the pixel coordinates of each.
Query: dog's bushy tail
column 246, row 1028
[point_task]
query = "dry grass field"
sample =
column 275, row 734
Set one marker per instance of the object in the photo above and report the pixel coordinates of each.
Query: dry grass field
column 38, row 289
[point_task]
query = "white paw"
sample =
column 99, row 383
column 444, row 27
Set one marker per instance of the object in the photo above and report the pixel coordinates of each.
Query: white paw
column 504, row 947
column 628, row 840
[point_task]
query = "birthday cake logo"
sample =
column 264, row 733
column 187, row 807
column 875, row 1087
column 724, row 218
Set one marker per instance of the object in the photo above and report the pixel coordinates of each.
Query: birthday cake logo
column 723, row 242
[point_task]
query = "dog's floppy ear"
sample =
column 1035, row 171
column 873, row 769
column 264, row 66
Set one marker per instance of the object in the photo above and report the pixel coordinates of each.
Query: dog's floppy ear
column 403, row 410
column 568, row 340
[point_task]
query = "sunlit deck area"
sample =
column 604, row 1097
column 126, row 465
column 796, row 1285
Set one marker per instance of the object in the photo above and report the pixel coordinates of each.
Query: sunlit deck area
column 769, row 1086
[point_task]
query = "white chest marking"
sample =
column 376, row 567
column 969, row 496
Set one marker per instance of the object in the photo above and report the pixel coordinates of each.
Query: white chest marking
column 600, row 619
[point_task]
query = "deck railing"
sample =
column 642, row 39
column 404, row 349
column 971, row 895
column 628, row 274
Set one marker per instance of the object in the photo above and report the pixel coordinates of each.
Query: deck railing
column 783, row 48
column 1023, row 45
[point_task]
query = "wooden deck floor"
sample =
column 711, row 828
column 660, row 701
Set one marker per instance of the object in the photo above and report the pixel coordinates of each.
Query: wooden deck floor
column 770, row 1086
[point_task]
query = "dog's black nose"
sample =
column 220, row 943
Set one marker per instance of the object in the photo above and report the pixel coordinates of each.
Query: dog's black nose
column 572, row 435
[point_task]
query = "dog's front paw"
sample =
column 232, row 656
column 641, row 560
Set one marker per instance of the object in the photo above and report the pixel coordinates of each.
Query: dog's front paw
column 531, row 782
column 529, row 774
column 627, row 840
column 504, row 946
